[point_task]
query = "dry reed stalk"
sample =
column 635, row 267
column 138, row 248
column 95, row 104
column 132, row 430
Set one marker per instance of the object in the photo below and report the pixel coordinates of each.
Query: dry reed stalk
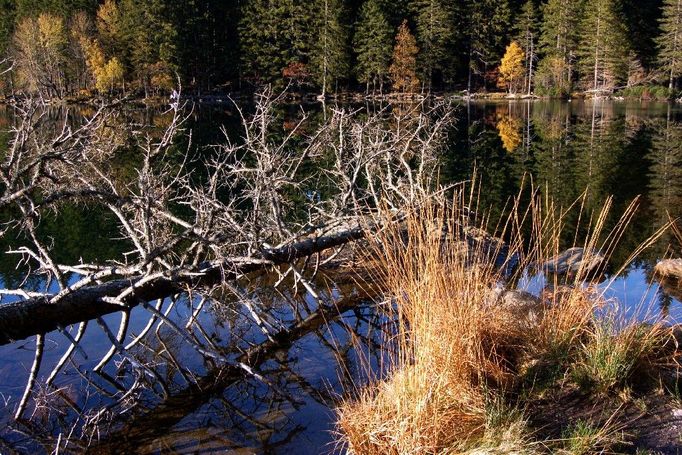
column 448, row 336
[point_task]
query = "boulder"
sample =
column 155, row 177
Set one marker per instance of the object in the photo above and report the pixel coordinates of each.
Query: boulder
column 522, row 306
column 669, row 268
column 573, row 260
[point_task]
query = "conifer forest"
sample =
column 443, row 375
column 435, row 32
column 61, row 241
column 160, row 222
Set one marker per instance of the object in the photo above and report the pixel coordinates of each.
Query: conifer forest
column 549, row 48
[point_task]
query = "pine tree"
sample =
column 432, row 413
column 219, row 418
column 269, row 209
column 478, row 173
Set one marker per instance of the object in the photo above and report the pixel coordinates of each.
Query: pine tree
column 488, row 22
column 526, row 31
column 7, row 17
column 436, row 37
column 558, row 42
column 403, row 70
column 511, row 67
column 670, row 41
column 273, row 35
column 373, row 44
column 330, row 60
column 603, row 46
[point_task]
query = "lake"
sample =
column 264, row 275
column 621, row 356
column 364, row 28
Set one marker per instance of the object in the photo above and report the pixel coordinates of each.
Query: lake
column 602, row 148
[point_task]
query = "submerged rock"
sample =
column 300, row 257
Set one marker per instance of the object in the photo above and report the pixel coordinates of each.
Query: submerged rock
column 573, row 260
column 669, row 268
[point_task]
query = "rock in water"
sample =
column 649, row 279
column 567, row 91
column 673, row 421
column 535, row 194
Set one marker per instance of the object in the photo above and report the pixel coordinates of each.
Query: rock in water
column 670, row 268
column 572, row 260
column 523, row 306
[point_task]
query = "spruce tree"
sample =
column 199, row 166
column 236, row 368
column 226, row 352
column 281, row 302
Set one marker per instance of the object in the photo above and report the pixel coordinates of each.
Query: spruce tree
column 373, row 44
column 559, row 35
column 488, row 23
column 670, row 41
column 151, row 39
column 526, row 31
column 330, row 59
column 208, row 31
column 603, row 49
column 274, row 34
column 436, row 37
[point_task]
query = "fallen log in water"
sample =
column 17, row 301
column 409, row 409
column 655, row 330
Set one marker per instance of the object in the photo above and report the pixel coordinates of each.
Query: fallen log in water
column 45, row 313
column 32, row 316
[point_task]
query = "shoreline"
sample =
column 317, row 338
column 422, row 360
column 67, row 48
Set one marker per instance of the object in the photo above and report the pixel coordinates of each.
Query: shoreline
column 227, row 98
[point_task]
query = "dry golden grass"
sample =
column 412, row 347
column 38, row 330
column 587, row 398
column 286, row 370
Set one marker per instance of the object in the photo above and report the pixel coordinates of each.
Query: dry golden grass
column 457, row 352
column 449, row 339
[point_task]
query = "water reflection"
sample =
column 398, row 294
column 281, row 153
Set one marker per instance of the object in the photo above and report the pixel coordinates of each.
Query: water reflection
column 184, row 401
column 603, row 147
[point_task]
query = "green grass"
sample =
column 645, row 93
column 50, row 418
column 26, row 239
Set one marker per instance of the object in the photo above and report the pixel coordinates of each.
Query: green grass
column 585, row 438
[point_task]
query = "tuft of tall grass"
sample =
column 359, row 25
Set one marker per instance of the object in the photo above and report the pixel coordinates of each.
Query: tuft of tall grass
column 457, row 355
column 449, row 340
column 618, row 350
column 586, row 438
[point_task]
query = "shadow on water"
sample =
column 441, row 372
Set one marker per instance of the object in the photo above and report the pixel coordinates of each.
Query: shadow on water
column 164, row 395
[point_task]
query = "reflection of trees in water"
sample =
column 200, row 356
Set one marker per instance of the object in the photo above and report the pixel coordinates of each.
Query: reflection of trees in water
column 602, row 146
column 598, row 141
column 553, row 153
column 665, row 179
column 510, row 132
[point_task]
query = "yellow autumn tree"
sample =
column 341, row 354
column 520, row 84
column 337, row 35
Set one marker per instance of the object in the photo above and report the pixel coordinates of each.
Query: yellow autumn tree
column 109, row 73
column 512, row 68
column 403, row 70
column 40, row 52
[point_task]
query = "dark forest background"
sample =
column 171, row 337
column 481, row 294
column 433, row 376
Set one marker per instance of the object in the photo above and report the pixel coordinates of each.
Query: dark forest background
column 66, row 47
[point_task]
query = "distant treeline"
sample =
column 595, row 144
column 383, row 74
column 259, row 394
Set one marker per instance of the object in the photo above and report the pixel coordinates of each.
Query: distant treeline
column 65, row 48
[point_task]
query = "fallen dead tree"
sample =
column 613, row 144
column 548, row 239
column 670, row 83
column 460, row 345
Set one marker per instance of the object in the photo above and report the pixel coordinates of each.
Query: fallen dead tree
column 42, row 314
column 196, row 221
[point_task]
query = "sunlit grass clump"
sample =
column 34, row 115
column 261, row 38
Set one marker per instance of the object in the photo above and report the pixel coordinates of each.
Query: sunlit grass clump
column 465, row 362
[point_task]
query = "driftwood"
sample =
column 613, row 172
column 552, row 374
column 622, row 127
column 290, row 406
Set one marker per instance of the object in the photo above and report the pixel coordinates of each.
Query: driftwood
column 266, row 199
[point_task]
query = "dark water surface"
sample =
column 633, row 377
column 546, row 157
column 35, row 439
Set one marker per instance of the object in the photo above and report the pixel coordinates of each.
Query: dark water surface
column 608, row 148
